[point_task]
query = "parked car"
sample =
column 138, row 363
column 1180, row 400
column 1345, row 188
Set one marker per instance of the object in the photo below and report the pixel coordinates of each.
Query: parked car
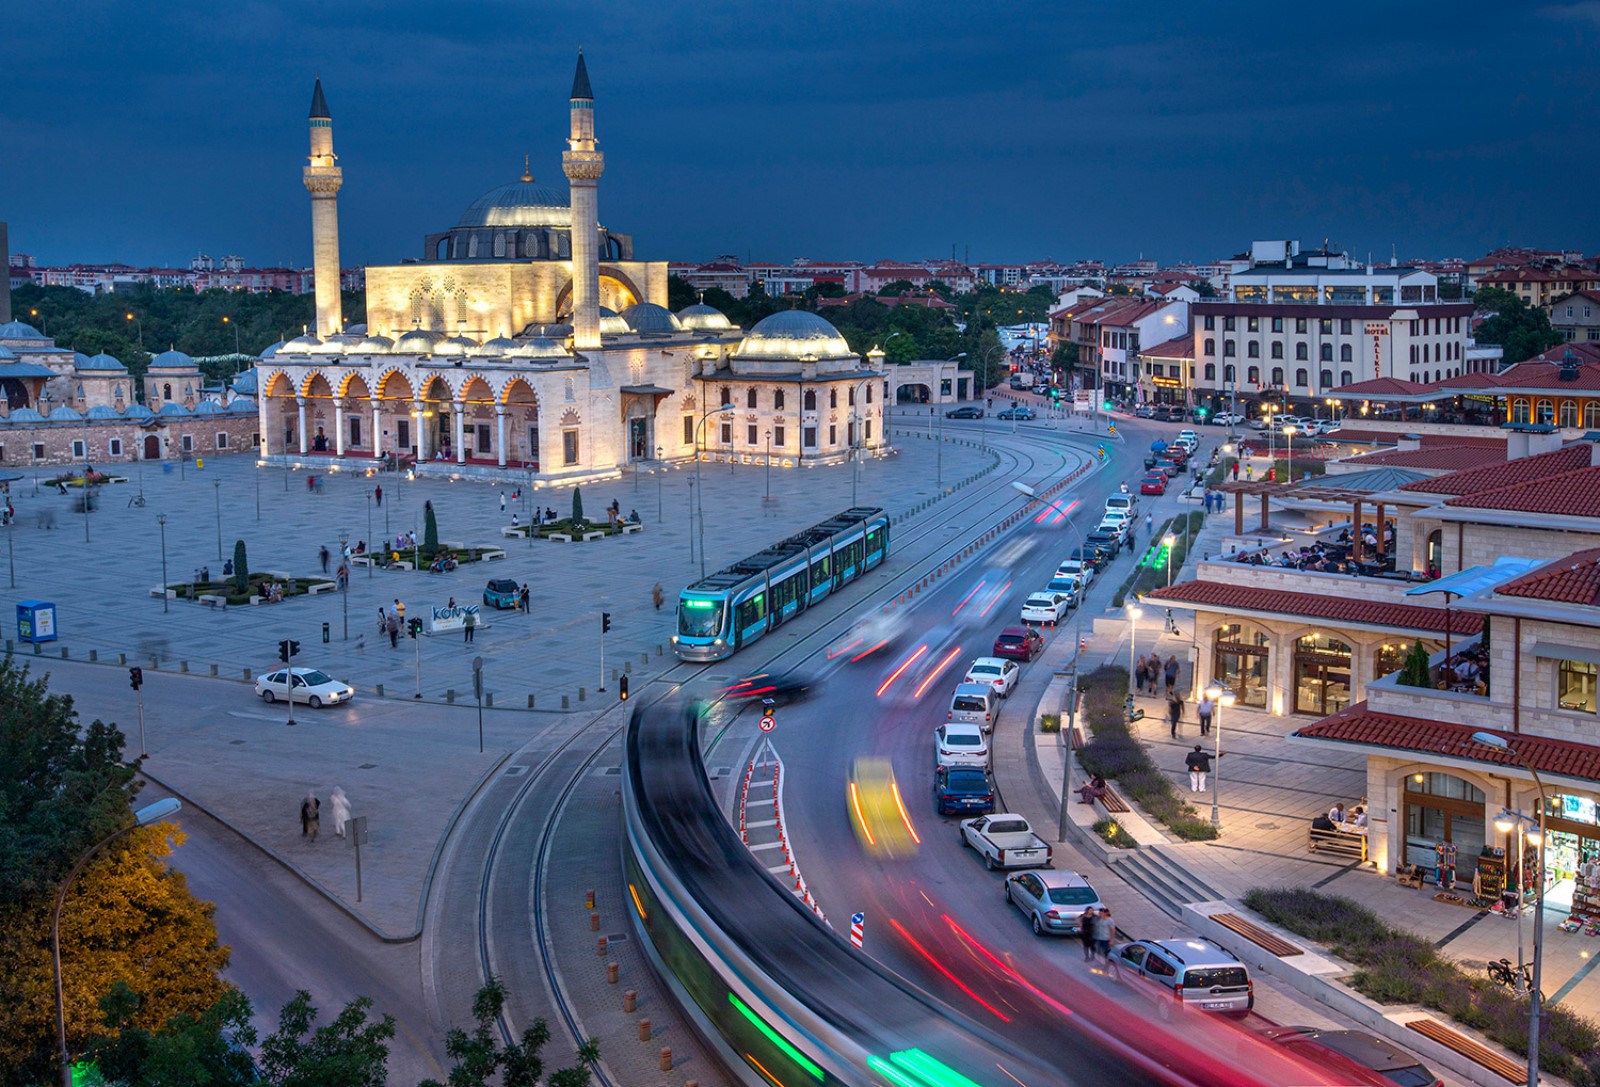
column 1227, row 418
column 1018, row 644
column 1189, row 440
column 1052, row 901
column 1153, row 483
column 964, row 413
column 1108, row 542
column 958, row 789
column 1363, row 1050
column 1005, row 841
column 1080, row 567
column 999, row 673
column 1123, row 501
column 1095, row 557
column 312, row 686
column 974, row 704
column 1045, row 607
column 502, row 593
column 1196, row 973
column 957, row 744
column 1018, row 412
column 1068, row 585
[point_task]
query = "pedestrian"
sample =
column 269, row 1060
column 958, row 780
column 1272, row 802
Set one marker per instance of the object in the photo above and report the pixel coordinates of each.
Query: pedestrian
column 1236, row 471
column 392, row 628
column 469, row 626
column 310, row 814
column 1174, row 711
column 657, row 595
column 227, row 568
column 400, row 610
column 1149, row 521
column 1199, row 765
column 523, row 596
column 377, row 495
column 1141, row 675
column 205, row 575
column 1172, row 673
column 1205, row 709
column 323, row 556
column 1155, row 673
column 383, row 622
column 341, row 810
column 502, row 501
column 1105, row 930
column 1086, row 932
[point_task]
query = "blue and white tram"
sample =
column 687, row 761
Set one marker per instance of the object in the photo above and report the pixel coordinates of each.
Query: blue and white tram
column 731, row 608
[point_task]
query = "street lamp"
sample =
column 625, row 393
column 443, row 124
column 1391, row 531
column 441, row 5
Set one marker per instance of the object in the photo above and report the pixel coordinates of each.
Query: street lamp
column 370, row 541
column 700, row 511
column 138, row 326
column 1170, row 541
column 767, row 497
column 1134, row 611
column 230, row 321
column 344, row 579
column 161, row 519
column 34, row 315
column 1220, row 696
column 1288, row 434
column 152, row 813
column 983, row 427
column 660, row 452
column 216, row 491
column 1535, row 997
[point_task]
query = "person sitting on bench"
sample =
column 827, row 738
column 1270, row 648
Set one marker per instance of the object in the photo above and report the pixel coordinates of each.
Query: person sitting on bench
column 1094, row 790
column 1322, row 822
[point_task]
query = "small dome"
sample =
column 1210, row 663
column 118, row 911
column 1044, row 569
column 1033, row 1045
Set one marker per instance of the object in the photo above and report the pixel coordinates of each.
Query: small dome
column 174, row 409
column 357, row 331
column 100, row 411
column 208, row 407
column 793, row 334
column 246, row 383
column 374, row 345
column 64, row 414
column 419, row 341
column 137, row 411
column 547, row 332
column 703, row 318
column 500, row 345
column 6, row 352
column 16, row 330
column 172, row 360
column 333, row 345
column 300, row 345
column 541, row 348
column 649, row 317
column 99, row 362
column 457, row 345
column 273, row 350
column 612, row 324
column 25, row 415
column 521, row 203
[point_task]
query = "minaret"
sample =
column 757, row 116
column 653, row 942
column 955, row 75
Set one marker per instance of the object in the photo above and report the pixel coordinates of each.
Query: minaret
column 323, row 178
column 583, row 166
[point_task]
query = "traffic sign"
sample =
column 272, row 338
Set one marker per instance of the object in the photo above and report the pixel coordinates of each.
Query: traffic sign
column 768, row 722
column 858, row 924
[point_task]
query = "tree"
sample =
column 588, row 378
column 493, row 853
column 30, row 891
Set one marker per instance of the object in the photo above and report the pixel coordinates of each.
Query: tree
column 241, row 568
column 577, row 506
column 478, row 1055
column 1065, row 356
column 1203, row 288
column 896, row 289
column 1414, row 672
column 430, row 531
column 825, row 289
column 349, row 1052
column 1523, row 331
column 680, row 293
column 205, row 1050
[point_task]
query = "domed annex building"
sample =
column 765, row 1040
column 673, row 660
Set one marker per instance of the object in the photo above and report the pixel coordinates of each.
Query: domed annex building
column 527, row 341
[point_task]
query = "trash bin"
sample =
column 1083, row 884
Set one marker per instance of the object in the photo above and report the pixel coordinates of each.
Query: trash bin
column 36, row 621
column 325, row 634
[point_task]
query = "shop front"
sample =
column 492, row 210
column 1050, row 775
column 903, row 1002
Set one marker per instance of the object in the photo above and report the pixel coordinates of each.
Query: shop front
column 1443, row 810
column 1572, row 855
column 1321, row 675
column 1241, row 660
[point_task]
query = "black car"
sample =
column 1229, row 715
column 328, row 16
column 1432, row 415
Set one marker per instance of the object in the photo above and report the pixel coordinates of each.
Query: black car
column 1106, row 542
column 964, row 413
column 1092, row 556
column 963, row 790
column 782, row 688
column 1365, row 1051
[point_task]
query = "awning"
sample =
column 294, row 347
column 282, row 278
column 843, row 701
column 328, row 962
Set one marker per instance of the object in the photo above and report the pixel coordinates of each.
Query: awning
column 646, row 390
column 1476, row 579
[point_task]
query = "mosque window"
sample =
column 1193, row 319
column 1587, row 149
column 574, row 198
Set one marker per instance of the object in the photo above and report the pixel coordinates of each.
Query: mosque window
column 852, row 392
column 727, row 396
column 115, row 447
column 569, row 447
column 777, row 436
column 119, row 392
column 416, row 307
column 750, row 399
column 166, row 391
column 833, row 402
column 777, row 402
column 570, row 392
column 810, row 401
column 869, row 392
column 472, row 249
column 500, row 243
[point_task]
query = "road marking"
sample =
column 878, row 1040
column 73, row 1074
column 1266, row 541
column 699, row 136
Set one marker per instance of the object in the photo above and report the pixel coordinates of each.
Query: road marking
column 778, row 868
column 766, row 845
column 762, row 823
column 258, row 716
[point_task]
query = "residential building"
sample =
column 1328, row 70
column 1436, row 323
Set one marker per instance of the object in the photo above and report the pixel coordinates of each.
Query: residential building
column 1109, row 335
column 1577, row 316
column 1541, row 286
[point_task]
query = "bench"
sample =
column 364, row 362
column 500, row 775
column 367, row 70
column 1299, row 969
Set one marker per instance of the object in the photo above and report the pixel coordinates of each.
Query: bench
column 513, row 530
column 630, row 528
column 1075, row 739
column 1338, row 843
column 211, row 600
column 587, row 536
column 321, row 587
column 1501, row 1065
column 491, row 556
column 1113, row 802
column 559, row 537
column 1257, row 935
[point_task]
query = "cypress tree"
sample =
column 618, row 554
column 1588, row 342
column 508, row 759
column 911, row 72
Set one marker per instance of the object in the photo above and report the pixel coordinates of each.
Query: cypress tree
column 241, row 569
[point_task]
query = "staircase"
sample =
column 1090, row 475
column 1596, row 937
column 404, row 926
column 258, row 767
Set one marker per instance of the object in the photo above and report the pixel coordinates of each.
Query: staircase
column 1160, row 876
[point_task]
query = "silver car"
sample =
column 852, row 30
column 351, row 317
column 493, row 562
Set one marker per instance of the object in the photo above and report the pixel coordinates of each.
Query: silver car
column 1193, row 973
column 1053, row 901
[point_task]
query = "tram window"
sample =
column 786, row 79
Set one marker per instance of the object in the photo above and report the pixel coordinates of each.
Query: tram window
column 700, row 618
column 821, row 570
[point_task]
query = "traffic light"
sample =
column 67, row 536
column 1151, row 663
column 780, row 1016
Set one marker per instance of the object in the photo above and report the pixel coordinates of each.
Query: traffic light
column 287, row 649
column 1055, row 392
column 605, row 622
column 136, row 678
column 1201, row 413
column 622, row 688
column 414, row 627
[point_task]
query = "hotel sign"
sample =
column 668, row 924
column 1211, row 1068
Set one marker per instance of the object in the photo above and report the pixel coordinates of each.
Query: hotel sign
column 1377, row 330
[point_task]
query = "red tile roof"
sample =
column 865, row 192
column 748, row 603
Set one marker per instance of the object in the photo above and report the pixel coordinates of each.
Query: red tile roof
column 1358, row 725
column 1572, row 580
column 1451, row 457
column 1570, row 494
column 1180, row 347
column 1428, row 441
column 1385, row 386
column 1491, row 477
column 1214, row 595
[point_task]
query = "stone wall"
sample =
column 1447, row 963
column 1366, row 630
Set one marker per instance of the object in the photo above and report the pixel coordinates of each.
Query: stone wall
column 112, row 442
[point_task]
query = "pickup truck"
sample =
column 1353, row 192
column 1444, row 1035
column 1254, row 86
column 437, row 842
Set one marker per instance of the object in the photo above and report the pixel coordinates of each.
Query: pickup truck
column 1005, row 841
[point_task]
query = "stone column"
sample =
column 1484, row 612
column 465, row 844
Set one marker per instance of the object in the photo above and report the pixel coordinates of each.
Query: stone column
column 500, row 433
column 461, row 445
column 377, row 428
column 300, row 403
column 418, row 407
column 338, row 427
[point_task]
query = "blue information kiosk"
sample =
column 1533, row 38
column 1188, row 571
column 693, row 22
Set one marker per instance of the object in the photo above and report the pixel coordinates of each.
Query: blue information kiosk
column 36, row 621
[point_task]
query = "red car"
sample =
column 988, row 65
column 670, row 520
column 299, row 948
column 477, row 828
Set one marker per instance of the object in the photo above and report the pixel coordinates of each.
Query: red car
column 1019, row 644
column 1154, row 483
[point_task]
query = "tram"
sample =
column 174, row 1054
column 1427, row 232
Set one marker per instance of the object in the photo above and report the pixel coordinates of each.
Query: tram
column 726, row 611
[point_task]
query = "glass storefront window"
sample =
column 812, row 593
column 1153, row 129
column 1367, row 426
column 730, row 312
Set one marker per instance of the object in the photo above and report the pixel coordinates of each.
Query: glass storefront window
column 1575, row 686
column 1575, row 809
column 1321, row 675
column 1447, row 786
column 1240, row 661
column 1444, row 808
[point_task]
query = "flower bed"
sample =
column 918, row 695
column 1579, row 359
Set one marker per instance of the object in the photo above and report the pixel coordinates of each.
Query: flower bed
column 1145, row 578
column 1396, row 967
column 223, row 587
column 1117, row 755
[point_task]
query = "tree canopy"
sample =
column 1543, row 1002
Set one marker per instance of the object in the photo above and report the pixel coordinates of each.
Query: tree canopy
column 1522, row 330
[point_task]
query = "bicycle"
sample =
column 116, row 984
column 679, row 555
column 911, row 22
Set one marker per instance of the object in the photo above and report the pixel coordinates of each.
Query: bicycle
column 1505, row 972
column 136, row 500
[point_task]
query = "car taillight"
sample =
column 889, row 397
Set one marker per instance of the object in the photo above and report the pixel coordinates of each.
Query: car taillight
column 986, row 717
column 1049, row 852
column 951, row 716
column 1178, row 989
column 1001, row 858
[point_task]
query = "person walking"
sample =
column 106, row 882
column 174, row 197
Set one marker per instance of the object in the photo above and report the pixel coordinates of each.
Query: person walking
column 1154, row 670
column 392, row 628
column 1149, row 522
column 1174, row 711
column 523, row 597
column 1141, row 675
column 1086, row 932
column 1105, row 930
column 377, row 495
column 310, row 816
column 383, row 622
column 1198, row 764
column 502, row 501
column 469, row 626
column 657, row 595
column 399, row 610
column 322, row 555
column 1205, row 709
column 341, row 810
column 1172, row 673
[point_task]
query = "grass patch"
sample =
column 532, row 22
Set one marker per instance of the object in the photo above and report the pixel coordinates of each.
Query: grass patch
column 1301, row 467
column 1396, row 967
column 1113, row 832
column 1117, row 755
column 1222, row 473
column 1050, row 722
column 223, row 587
column 566, row 527
column 1154, row 575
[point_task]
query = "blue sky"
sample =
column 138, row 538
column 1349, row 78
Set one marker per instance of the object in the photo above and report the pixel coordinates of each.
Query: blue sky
column 146, row 132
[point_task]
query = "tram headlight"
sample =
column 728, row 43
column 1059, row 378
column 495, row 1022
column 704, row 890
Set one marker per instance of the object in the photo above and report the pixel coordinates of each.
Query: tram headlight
column 674, row 639
column 717, row 642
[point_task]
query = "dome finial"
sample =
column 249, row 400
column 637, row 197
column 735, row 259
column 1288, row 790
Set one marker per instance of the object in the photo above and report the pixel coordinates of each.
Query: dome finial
column 527, row 175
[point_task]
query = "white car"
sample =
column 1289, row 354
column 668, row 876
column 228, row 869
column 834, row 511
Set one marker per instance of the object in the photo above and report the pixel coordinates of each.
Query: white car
column 313, row 687
column 997, row 672
column 957, row 744
column 1227, row 418
column 1121, row 520
column 1083, row 571
column 1188, row 438
column 1046, row 608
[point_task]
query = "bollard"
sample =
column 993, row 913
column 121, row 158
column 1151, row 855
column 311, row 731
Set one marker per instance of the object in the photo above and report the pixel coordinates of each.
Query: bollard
column 581, row 693
column 594, row 922
column 612, row 971
column 64, row 653
column 488, row 699
column 37, row 649
column 183, row 666
column 658, row 651
column 630, row 1001
column 644, row 1030
column 588, row 900
column 450, row 696
column 213, row 669
column 565, row 702
column 94, row 655
column 601, row 944
column 530, row 701
column 122, row 658
column 380, row 690
column 666, row 1058
column 627, row 666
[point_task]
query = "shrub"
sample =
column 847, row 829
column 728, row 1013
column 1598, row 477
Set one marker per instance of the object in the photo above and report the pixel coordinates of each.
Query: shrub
column 1113, row 832
column 1193, row 829
column 577, row 505
column 430, row 532
column 1050, row 722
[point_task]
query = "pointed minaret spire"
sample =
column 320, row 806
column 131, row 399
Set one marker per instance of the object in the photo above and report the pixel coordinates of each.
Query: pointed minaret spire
column 319, row 104
column 583, row 164
column 323, row 179
column 580, row 79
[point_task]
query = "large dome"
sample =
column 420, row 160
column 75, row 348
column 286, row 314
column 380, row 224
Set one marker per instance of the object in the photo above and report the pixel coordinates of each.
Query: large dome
column 519, row 204
column 793, row 334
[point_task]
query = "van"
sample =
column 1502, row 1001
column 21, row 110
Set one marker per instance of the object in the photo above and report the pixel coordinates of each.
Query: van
column 1196, row 973
column 1124, row 502
column 974, row 704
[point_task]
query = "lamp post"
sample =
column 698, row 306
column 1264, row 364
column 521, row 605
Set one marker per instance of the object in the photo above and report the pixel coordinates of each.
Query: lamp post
column 161, row 519
column 1169, row 540
column 1288, row 437
column 983, row 427
column 216, row 492
column 369, row 533
column 700, row 509
column 1535, row 997
column 659, row 472
column 44, row 326
column 344, row 579
column 230, row 321
column 1221, row 696
column 258, row 488
column 1134, row 611
column 767, row 497
column 938, row 449
column 138, row 326
column 11, row 548
column 152, row 813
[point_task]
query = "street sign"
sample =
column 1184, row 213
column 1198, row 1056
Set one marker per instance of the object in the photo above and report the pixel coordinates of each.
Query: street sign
column 356, row 828
column 858, row 925
column 768, row 722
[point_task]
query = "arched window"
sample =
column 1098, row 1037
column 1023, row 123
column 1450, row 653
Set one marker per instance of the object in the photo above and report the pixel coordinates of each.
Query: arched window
column 166, row 392
column 1519, row 411
column 833, row 398
column 1325, row 378
column 1346, row 377
column 1277, row 350
column 1569, row 413
column 869, row 392
column 1253, row 375
column 1301, row 353
column 1240, row 659
column 1277, row 376
column 1211, row 371
column 1210, row 346
column 1252, row 350
column 1544, row 412
column 727, row 396
column 1229, row 349
column 810, row 400
column 851, row 396
column 777, row 400
column 750, row 399
column 1591, row 414
column 1321, row 674
column 500, row 243
column 1302, row 377
column 1326, row 352
column 1345, row 354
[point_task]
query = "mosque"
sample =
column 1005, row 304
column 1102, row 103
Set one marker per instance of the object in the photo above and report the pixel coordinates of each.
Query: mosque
column 529, row 341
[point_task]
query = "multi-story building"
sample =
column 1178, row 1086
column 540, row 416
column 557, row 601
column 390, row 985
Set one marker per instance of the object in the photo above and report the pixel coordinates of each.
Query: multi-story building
column 1540, row 286
column 1110, row 334
column 1577, row 316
